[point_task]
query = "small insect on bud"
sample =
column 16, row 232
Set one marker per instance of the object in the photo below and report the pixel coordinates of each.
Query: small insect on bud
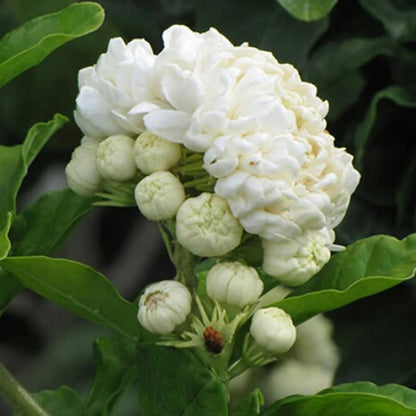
column 213, row 340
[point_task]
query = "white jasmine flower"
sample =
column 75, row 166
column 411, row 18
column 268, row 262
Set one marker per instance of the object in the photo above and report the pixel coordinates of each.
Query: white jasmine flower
column 81, row 172
column 278, row 186
column 295, row 377
column 295, row 261
column 113, row 87
column 260, row 127
column 234, row 283
column 206, row 227
column 163, row 306
column 159, row 196
column 115, row 158
column 152, row 153
column 273, row 329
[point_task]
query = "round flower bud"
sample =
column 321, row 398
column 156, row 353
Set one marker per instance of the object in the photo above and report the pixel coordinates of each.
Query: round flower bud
column 206, row 227
column 273, row 329
column 163, row 306
column 234, row 283
column 293, row 262
column 152, row 153
column 115, row 158
column 81, row 172
column 159, row 196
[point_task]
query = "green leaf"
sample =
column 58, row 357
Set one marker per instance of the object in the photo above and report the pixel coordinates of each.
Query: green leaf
column 330, row 61
column 12, row 173
column 399, row 21
column 14, row 162
column 365, row 268
column 308, row 9
column 398, row 95
column 250, row 406
column 173, row 382
column 62, row 402
column 335, row 66
column 38, row 135
column 58, row 211
column 29, row 44
column 4, row 239
column 112, row 377
column 78, row 288
column 354, row 399
column 9, row 288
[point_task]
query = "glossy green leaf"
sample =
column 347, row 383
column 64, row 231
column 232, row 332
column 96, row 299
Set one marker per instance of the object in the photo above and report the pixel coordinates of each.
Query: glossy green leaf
column 365, row 268
column 173, row 382
column 399, row 21
column 4, row 236
column 9, row 288
column 31, row 43
column 354, row 399
column 62, row 402
column 78, row 288
column 12, row 173
column 249, row 406
column 14, row 162
column 398, row 95
column 59, row 211
column 38, row 135
column 308, row 9
column 112, row 377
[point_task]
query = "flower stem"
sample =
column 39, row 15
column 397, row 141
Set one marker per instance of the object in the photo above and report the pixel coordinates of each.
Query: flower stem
column 14, row 393
column 237, row 368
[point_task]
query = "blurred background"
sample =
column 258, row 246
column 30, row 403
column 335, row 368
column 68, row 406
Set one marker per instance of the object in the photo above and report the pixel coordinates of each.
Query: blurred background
column 362, row 57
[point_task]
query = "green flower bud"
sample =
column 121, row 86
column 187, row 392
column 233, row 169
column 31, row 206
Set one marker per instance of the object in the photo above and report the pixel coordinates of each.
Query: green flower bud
column 153, row 154
column 234, row 283
column 115, row 158
column 159, row 196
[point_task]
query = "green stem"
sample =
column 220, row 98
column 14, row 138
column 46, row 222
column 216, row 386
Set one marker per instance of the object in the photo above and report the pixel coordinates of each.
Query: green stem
column 237, row 368
column 196, row 182
column 13, row 392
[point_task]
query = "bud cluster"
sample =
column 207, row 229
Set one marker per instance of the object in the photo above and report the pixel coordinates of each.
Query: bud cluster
column 227, row 149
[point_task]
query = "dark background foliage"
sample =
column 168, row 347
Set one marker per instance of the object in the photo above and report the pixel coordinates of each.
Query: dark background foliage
column 362, row 57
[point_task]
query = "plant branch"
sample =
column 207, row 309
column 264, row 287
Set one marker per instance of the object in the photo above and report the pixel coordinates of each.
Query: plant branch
column 14, row 393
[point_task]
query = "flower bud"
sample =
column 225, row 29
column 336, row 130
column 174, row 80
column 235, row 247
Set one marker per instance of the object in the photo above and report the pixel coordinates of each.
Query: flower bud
column 152, row 153
column 115, row 159
column 159, row 196
column 234, row 283
column 81, row 172
column 163, row 306
column 206, row 227
column 273, row 329
column 293, row 262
